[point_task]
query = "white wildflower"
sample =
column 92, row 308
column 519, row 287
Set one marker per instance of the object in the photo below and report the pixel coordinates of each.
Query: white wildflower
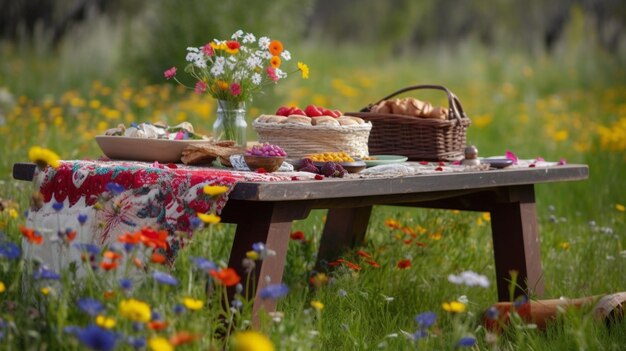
column 199, row 62
column 286, row 55
column 469, row 278
column 280, row 73
column 254, row 62
column 463, row 299
column 256, row 79
column 220, row 60
column 192, row 56
column 249, row 38
column 193, row 49
column 237, row 34
column 264, row 42
column 217, row 70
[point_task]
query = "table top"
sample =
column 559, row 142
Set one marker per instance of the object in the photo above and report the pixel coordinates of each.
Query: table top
column 329, row 188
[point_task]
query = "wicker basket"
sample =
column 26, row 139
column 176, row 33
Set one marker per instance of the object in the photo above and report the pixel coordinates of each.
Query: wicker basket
column 415, row 137
column 299, row 140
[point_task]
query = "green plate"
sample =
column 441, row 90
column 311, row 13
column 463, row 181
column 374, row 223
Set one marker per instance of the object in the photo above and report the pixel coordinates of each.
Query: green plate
column 384, row 160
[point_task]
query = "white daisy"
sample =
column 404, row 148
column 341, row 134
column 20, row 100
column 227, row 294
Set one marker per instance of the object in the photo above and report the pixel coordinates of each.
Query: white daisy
column 237, row 34
column 220, row 60
column 264, row 42
column 217, row 70
column 193, row 49
column 286, row 55
column 280, row 73
column 256, row 79
column 199, row 62
column 253, row 62
column 249, row 38
column 192, row 56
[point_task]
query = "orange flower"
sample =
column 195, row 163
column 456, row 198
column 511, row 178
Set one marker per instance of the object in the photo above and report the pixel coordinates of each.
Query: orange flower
column 409, row 231
column 158, row 258
column 71, row 236
column 392, row 223
column 137, row 262
column 228, row 276
column 183, row 337
column 108, row 265
column 275, row 61
column 130, row 238
column 350, row 265
column 276, row 47
column 112, row 255
column 31, row 235
column 108, row 294
column 404, row 264
column 154, row 239
column 373, row 263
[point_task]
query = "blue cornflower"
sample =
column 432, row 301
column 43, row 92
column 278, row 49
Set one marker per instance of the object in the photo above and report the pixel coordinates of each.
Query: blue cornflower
column 195, row 222
column 126, row 283
column 115, row 188
column 420, row 334
column 46, row 274
column 10, row 250
column 137, row 342
column 97, row 338
column 492, row 313
column 258, row 247
column 82, row 218
column 155, row 316
column 89, row 248
column 204, row 264
column 466, row 341
column 236, row 303
column 426, row 320
column 274, row 291
column 342, row 293
column 179, row 308
column 57, row 206
column 90, row 306
column 164, row 278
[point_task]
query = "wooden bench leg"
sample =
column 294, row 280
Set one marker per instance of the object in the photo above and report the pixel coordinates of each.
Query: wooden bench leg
column 269, row 223
column 344, row 229
column 516, row 243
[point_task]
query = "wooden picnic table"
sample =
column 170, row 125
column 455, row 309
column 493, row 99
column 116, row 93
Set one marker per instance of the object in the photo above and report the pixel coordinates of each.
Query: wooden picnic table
column 264, row 212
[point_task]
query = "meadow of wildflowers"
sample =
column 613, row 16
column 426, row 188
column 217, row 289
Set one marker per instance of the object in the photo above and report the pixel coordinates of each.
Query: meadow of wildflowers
column 423, row 278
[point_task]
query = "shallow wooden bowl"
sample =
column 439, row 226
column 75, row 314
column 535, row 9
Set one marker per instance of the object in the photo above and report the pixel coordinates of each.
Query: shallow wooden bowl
column 268, row 163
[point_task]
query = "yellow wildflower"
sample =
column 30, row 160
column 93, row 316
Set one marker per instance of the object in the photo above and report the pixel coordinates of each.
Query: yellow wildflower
column 454, row 307
column 105, row 322
column 3, row 288
column 209, row 218
column 43, row 157
column 487, row 216
column 45, row 290
column 214, row 190
column 160, row 343
column 620, row 207
column 251, row 341
column 135, row 310
column 253, row 255
column 318, row 305
column 564, row 245
column 192, row 303
column 304, row 70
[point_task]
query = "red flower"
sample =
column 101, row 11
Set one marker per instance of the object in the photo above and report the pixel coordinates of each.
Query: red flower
column 271, row 72
column 349, row 264
column 207, row 49
column 363, row 254
column 227, row 277
column 157, row 325
column 235, row 89
column 154, row 239
column 297, row 235
column 373, row 263
column 200, row 87
column 404, row 264
column 183, row 337
column 158, row 258
column 31, row 235
column 108, row 265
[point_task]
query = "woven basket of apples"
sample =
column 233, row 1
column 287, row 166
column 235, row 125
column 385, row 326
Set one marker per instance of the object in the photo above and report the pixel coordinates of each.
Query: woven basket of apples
column 312, row 130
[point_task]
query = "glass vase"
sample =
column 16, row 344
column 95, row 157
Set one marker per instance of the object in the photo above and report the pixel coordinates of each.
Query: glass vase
column 230, row 122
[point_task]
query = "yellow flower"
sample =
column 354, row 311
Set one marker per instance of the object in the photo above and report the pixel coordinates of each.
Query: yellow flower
column 209, row 218
column 564, row 245
column 454, row 307
column 105, row 322
column 620, row 207
column 304, row 69
column 193, row 304
column 3, row 288
column 135, row 310
column 252, row 341
column 214, row 190
column 43, row 157
column 13, row 213
column 487, row 216
column 46, row 290
column 160, row 343
column 318, row 305
column 253, row 255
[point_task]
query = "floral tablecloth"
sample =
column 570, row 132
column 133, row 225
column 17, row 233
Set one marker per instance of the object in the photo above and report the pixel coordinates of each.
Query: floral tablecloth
column 102, row 200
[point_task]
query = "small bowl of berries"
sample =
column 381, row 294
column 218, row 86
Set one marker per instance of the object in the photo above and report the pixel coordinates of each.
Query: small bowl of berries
column 266, row 156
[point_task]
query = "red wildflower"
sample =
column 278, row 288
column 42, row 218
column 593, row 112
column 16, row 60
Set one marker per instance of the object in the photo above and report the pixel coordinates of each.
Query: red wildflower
column 420, row 244
column 334, row 263
column 158, row 258
column 408, row 241
column 232, row 46
column 31, row 235
column 108, row 265
column 349, row 264
column 112, row 255
column 154, row 239
column 183, row 337
column 235, row 89
column 297, row 235
column 373, row 263
column 207, row 49
column 404, row 264
column 392, row 223
column 108, row 294
column 409, row 231
column 271, row 72
column 227, row 277
column 363, row 254
column 200, row 87
column 130, row 238
column 157, row 325
column 70, row 236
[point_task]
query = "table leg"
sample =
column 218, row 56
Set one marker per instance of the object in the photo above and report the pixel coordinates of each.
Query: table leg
column 344, row 229
column 269, row 223
column 516, row 243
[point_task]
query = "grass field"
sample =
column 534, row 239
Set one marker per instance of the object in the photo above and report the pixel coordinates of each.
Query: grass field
column 570, row 106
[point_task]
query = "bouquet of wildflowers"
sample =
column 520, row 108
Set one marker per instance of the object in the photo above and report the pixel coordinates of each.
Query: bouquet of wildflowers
column 234, row 70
